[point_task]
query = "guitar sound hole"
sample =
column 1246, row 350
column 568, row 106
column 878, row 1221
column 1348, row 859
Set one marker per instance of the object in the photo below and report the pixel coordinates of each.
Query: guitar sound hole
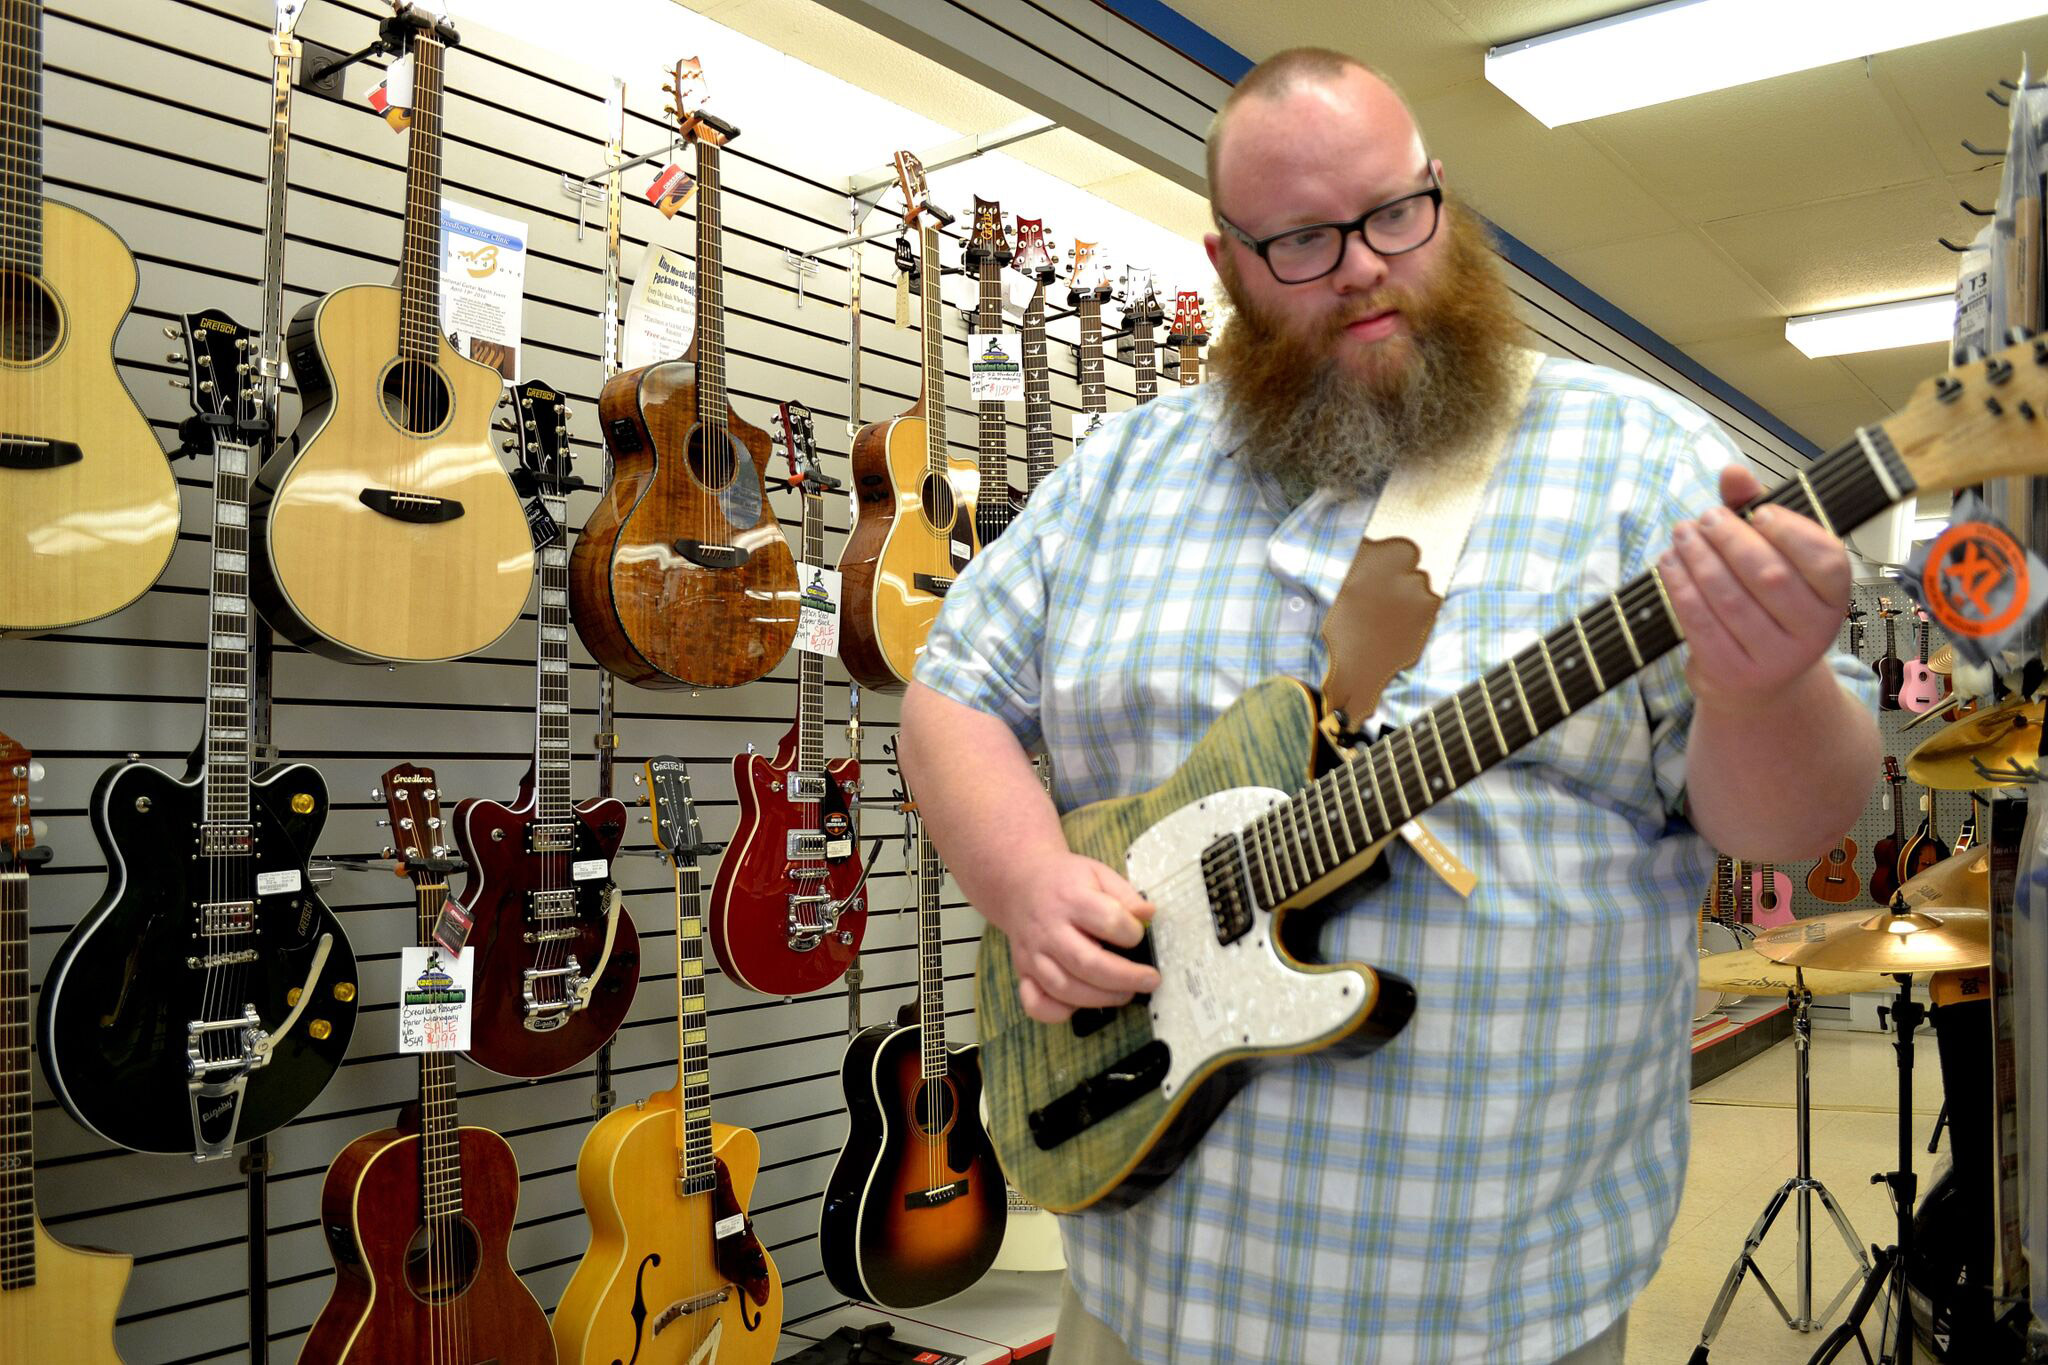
column 932, row 1111
column 937, row 494
column 714, row 457
column 30, row 323
column 441, row 1260
column 416, row 398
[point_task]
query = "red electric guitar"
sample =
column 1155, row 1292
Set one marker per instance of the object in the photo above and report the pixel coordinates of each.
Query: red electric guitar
column 787, row 908
column 1189, row 334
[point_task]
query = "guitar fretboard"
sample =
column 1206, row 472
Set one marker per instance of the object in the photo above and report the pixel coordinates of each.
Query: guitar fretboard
column 699, row 1171
column 711, row 397
column 934, row 373
column 1094, row 397
column 552, row 804
column 419, row 286
column 931, row 966
column 810, row 668
column 227, row 641
column 1038, row 447
column 1144, row 358
column 21, row 135
column 992, row 498
column 440, row 1132
column 17, row 1136
column 284, row 51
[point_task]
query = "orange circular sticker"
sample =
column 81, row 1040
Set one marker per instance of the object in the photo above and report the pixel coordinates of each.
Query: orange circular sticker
column 1975, row 580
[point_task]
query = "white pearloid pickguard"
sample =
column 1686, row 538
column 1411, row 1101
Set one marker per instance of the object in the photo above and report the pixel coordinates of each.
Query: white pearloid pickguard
column 1216, row 998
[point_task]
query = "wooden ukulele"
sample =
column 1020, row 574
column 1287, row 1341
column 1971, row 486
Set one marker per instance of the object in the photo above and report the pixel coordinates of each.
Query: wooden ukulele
column 909, row 538
column 1920, row 687
column 674, row 1271
column 1834, row 878
column 1891, row 669
column 1142, row 316
column 682, row 577
column 1189, row 334
column 1034, row 261
column 557, row 956
column 787, row 907
column 91, row 504
column 1770, row 896
column 916, row 1205
column 209, row 994
column 995, row 504
column 419, row 1216
column 389, row 532
column 1926, row 847
column 1088, row 288
column 1885, row 857
column 57, row 1302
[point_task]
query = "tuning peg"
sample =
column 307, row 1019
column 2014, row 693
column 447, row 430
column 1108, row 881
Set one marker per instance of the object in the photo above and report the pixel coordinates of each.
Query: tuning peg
column 639, row 779
column 176, row 357
column 180, row 382
column 508, row 446
column 376, row 793
column 171, row 332
column 205, row 361
column 206, row 386
column 35, row 770
column 40, row 828
column 383, row 824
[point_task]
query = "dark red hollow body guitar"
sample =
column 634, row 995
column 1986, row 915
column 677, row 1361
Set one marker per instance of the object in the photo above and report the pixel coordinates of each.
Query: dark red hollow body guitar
column 1884, row 872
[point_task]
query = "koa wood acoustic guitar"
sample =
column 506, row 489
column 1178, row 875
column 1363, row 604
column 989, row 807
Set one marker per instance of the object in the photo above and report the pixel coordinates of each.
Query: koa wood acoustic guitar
column 419, row 1216
column 90, row 506
column 915, row 1208
column 557, row 956
column 682, row 576
column 1034, row 261
column 1834, row 878
column 912, row 532
column 209, row 994
column 390, row 533
column 1188, row 335
column 1884, row 856
column 674, row 1271
column 788, row 908
column 988, row 251
column 57, row 1303
column 1261, row 823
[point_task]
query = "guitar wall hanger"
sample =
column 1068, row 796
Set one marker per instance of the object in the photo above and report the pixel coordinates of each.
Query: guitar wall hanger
column 320, row 73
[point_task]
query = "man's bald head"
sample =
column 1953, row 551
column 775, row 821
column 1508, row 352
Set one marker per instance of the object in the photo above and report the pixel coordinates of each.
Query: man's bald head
column 1284, row 73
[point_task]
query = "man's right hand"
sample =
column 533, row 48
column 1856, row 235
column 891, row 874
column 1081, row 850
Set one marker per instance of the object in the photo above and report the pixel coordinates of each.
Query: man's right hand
column 1057, row 923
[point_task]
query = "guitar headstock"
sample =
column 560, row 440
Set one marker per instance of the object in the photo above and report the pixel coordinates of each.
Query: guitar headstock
column 987, row 239
column 543, row 418
column 687, row 90
column 1892, row 773
column 1141, row 298
column 676, row 829
column 1034, row 258
column 1190, row 328
column 799, row 437
column 17, row 829
column 219, row 376
column 1977, row 422
column 917, row 195
column 412, row 800
column 1088, row 273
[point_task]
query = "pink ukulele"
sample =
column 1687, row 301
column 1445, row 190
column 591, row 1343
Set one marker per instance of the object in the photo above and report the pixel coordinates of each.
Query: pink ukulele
column 1922, row 687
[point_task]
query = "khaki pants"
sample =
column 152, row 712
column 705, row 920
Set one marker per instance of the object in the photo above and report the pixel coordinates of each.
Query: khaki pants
column 1082, row 1339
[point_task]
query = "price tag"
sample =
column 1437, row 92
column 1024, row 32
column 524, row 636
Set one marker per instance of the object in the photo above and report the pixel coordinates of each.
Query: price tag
column 541, row 522
column 451, row 930
column 434, row 1000
column 277, row 883
column 671, row 189
column 392, row 96
column 996, row 371
column 817, row 619
column 589, row 870
column 732, row 1225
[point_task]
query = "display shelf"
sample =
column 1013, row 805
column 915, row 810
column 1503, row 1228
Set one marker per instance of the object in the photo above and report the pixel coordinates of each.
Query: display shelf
column 1008, row 1316
column 1754, row 1023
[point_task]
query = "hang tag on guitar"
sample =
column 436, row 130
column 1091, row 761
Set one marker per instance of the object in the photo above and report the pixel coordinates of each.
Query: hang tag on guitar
column 817, row 619
column 392, row 96
column 996, row 367
column 434, row 1000
column 671, row 189
column 541, row 522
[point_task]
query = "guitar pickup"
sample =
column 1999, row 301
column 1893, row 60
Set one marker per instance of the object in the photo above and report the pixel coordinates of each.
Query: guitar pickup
column 1118, row 1085
column 226, row 917
column 550, row 838
column 26, row 452
column 805, row 845
column 931, row 583
column 225, row 841
column 708, row 555
column 420, row 509
column 551, row 904
column 806, row 787
column 932, row 1198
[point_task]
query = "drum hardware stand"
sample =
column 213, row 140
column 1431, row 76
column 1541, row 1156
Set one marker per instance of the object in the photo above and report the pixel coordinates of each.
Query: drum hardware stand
column 1806, row 1187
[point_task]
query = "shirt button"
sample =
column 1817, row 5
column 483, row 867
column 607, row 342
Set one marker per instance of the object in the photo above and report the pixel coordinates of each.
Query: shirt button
column 1297, row 604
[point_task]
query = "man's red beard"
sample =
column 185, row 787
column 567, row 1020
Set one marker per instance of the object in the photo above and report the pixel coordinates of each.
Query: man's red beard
column 1308, row 420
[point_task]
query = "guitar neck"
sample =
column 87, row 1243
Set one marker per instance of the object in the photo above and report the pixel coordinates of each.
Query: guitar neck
column 440, row 1133
column 698, row 1170
column 1144, row 361
column 17, row 1128
column 992, row 500
column 284, row 54
column 21, row 112
column 934, row 368
column 1094, row 397
column 1038, row 449
column 931, row 967
column 1190, row 365
column 227, row 642
column 419, row 283
column 711, row 394
column 810, row 667
column 551, row 789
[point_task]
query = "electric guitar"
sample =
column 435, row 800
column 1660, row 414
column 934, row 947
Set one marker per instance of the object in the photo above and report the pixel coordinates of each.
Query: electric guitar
column 916, row 1205
column 988, row 251
column 1920, row 687
column 674, row 1271
column 1770, row 896
column 1926, row 847
column 787, row 907
column 92, row 507
column 389, row 532
column 209, row 994
column 682, row 576
column 557, row 956
column 57, row 1302
column 419, row 1216
column 1103, row 1106
column 1034, row 262
column 1891, row 669
column 1884, row 873
column 1189, row 334
column 1142, row 314
column 909, row 538
column 1088, row 288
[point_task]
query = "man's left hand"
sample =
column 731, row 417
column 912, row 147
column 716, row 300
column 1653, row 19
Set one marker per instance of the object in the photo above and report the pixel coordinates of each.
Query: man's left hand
column 1760, row 600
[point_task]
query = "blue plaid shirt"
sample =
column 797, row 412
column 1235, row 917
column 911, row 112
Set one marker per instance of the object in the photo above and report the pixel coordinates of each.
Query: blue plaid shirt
column 1497, row 1183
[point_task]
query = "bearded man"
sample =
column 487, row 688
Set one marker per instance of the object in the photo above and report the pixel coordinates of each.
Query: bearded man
column 1496, row 1183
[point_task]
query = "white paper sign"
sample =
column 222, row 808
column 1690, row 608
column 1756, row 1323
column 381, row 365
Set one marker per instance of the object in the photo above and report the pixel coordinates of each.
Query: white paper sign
column 996, row 366
column 661, row 312
column 277, row 883
column 1082, row 425
column 588, row 869
column 434, row 999
column 483, row 285
column 817, row 618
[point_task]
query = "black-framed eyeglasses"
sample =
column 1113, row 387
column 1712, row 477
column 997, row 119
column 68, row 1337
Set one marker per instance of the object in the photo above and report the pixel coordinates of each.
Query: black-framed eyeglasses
column 1302, row 254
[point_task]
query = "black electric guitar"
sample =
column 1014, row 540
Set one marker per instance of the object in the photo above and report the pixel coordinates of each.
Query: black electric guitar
column 1189, row 335
column 209, row 995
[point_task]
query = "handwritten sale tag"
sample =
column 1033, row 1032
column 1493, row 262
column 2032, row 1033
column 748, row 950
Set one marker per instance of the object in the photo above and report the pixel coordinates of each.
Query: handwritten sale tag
column 996, row 367
column 817, row 620
column 434, row 999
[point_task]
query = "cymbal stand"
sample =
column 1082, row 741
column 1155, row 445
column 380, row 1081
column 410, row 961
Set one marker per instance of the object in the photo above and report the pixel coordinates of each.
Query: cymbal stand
column 1806, row 1187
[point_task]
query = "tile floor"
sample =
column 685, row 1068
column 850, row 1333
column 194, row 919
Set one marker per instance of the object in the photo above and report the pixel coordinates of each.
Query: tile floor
column 1742, row 1149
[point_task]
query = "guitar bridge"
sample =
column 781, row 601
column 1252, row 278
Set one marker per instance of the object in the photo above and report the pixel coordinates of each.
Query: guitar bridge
column 419, row 509
column 708, row 555
column 814, row 917
column 545, row 1016
column 27, row 452
column 931, row 583
column 214, row 1085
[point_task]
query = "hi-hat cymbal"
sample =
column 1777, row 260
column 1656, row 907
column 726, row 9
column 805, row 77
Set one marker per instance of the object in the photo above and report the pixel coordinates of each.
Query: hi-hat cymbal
column 1749, row 973
column 1963, row 881
column 1997, row 737
column 1943, row 660
column 1930, row 938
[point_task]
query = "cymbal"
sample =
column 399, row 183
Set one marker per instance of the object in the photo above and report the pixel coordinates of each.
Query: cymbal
column 1749, row 973
column 1996, row 736
column 1943, row 660
column 1963, row 881
column 1931, row 938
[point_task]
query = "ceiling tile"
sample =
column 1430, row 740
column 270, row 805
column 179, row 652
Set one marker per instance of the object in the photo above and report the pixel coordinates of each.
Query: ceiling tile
column 1869, row 248
column 1829, row 424
column 1158, row 199
column 1554, row 190
column 1798, row 138
column 1507, row 21
column 1942, row 85
column 1421, row 49
column 1893, row 375
column 1673, row 283
column 1773, row 372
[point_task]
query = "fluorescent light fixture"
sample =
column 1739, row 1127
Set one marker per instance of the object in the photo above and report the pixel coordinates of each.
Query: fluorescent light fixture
column 1688, row 47
column 1879, row 327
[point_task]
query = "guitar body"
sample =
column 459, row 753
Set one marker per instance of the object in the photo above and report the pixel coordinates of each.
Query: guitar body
column 119, row 995
column 749, row 916
column 396, row 1303
column 646, row 609
column 493, row 840
column 1263, row 747
column 1920, row 687
column 68, row 1313
column 1770, row 898
column 400, row 585
column 1834, row 878
column 1884, row 872
column 911, row 531
column 1923, row 852
column 92, row 519
column 645, row 1290
column 905, row 1136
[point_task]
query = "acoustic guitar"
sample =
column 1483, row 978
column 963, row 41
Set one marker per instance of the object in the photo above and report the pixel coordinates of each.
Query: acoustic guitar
column 1885, row 874
column 419, row 1216
column 57, row 1302
column 91, row 505
column 1261, row 822
column 209, row 995
column 682, row 576
column 909, row 534
column 1770, row 896
column 390, row 533
column 916, row 1206
column 674, row 1270
column 1142, row 316
column 1034, row 261
column 557, row 956
column 1188, row 335
column 787, row 907
column 1834, row 878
